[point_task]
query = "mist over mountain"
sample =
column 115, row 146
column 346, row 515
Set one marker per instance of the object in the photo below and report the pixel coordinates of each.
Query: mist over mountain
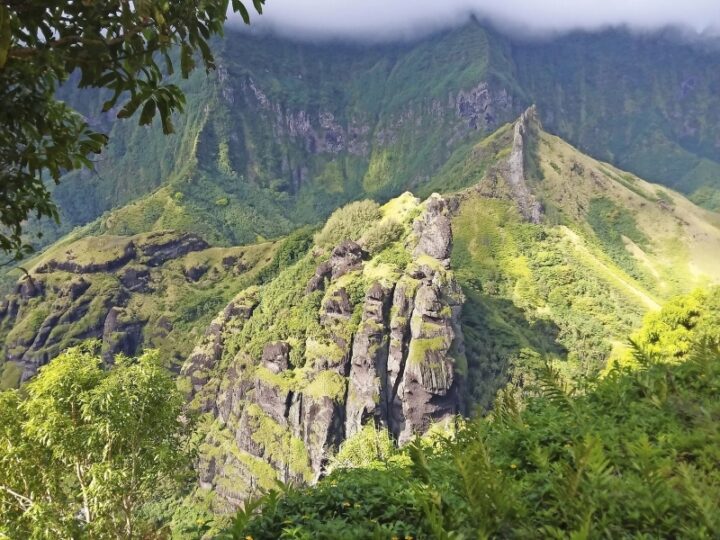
column 376, row 20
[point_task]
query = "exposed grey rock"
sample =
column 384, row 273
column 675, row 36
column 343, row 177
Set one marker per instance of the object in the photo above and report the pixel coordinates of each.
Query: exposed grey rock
column 368, row 366
column 199, row 365
column 161, row 247
column 429, row 387
column 135, row 279
column 336, row 306
column 76, row 288
column 321, row 429
column 528, row 205
column 346, row 257
column 122, row 334
column 194, row 273
column 29, row 288
column 397, row 369
column 433, row 230
column 480, row 107
column 276, row 356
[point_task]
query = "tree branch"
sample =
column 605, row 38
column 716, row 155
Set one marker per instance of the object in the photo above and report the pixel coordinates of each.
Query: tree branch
column 29, row 52
column 24, row 502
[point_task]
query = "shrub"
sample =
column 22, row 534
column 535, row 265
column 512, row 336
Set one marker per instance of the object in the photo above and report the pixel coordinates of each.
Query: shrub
column 367, row 448
column 348, row 223
column 381, row 236
column 632, row 455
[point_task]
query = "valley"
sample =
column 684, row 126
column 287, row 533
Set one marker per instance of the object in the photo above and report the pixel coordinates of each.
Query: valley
column 385, row 264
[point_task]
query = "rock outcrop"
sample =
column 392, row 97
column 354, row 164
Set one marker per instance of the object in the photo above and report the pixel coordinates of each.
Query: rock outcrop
column 514, row 170
column 128, row 292
column 356, row 341
column 516, row 175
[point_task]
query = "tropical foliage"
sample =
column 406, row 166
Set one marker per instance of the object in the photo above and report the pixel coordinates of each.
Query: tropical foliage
column 83, row 449
column 118, row 46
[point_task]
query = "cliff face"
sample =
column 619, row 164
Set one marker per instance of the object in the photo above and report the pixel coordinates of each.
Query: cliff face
column 342, row 339
column 129, row 292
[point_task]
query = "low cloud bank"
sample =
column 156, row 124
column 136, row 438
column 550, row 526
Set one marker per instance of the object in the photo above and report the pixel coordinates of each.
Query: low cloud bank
column 383, row 20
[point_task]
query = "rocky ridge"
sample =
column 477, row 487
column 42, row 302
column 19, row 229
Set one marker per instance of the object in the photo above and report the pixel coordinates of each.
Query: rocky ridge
column 284, row 385
column 128, row 292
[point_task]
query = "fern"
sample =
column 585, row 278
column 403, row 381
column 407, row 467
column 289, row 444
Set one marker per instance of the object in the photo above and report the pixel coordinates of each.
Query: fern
column 419, row 461
column 554, row 388
column 640, row 354
column 507, row 410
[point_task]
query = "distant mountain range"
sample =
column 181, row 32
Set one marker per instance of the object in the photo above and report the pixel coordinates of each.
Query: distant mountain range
column 284, row 132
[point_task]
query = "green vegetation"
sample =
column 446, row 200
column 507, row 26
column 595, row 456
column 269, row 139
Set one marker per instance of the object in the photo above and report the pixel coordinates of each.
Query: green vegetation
column 348, row 223
column 43, row 45
column 611, row 223
column 369, row 447
column 166, row 307
column 532, row 292
column 83, row 449
column 671, row 333
column 382, row 235
column 618, row 94
column 394, row 113
column 291, row 250
column 270, row 145
column 633, row 454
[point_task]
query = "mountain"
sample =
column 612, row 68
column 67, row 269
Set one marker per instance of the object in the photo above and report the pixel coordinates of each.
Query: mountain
column 463, row 242
column 133, row 292
column 406, row 314
column 284, row 132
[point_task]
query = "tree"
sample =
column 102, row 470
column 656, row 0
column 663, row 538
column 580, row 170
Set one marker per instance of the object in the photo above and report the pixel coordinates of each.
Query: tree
column 114, row 44
column 669, row 335
column 88, row 447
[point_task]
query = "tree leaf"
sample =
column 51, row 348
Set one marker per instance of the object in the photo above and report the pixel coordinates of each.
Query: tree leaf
column 130, row 107
column 148, row 112
column 240, row 7
column 187, row 64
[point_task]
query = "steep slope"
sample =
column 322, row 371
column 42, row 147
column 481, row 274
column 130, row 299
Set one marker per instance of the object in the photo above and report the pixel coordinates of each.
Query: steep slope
column 605, row 248
column 285, row 132
column 388, row 321
column 154, row 290
column 367, row 331
column 646, row 103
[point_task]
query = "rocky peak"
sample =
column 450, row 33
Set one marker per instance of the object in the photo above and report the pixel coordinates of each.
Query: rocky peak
column 525, row 128
column 433, row 230
column 382, row 345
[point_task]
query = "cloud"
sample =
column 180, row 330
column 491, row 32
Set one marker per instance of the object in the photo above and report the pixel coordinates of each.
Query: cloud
column 398, row 19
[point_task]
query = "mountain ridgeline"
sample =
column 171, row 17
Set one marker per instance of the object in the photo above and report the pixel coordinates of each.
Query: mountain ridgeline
column 285, row 132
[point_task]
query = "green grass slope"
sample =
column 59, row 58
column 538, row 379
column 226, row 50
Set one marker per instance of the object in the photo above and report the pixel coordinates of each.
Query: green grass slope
column 609, row 248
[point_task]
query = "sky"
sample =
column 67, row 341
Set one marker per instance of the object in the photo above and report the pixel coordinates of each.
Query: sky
column 381, row 20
